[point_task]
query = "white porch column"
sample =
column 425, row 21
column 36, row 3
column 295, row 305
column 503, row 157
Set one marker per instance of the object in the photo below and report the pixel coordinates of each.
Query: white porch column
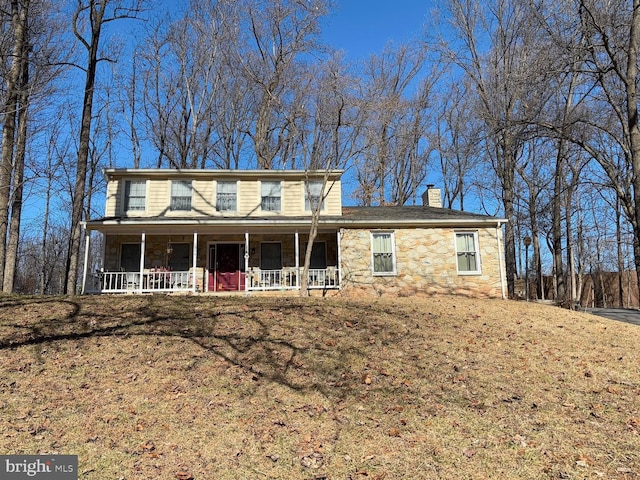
column 339, row 236
column 87, row 244
column 246, row 262
column 194, row 262
column 143, row 244
column 297, row 244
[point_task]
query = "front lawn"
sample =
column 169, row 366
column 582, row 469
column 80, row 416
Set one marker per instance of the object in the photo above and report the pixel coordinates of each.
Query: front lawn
column 166, row 387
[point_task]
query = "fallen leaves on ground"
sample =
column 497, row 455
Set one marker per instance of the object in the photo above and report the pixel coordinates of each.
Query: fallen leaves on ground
column 200, row 387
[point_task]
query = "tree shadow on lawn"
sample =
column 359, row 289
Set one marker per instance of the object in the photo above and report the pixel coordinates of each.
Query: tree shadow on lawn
column 334, row 348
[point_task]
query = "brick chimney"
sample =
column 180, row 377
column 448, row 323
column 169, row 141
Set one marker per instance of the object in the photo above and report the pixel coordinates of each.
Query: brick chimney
column 431, row 198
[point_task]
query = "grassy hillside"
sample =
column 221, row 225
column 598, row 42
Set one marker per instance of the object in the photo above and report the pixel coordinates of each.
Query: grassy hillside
column 159, row 387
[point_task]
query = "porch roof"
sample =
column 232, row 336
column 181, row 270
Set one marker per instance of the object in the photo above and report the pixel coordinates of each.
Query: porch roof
column 352, row 217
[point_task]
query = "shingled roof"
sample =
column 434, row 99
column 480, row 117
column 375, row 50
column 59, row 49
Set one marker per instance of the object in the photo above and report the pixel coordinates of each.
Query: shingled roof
column 409, row 213
column 354, row 217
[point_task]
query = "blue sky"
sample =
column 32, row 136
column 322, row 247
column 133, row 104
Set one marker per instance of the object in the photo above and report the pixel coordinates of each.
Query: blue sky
column 361, row 27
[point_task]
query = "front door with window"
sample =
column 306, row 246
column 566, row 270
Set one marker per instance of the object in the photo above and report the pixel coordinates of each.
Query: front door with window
column 226, row 267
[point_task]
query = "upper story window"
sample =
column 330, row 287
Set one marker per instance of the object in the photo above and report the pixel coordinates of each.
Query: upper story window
column 313, row 195
column 227, row 196
column 181, row 195
column 383, row 252
column 467, row 252
column 135, row 195
column 271, row 196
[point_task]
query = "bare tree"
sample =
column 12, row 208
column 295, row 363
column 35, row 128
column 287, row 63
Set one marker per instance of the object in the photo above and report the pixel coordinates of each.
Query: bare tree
column 456, row 140
column 18, row 176
column 40, row 68
column 612, row 37
column 569, row 92
column 396, row 105
column 496, row 44
column 536, row 175
column 196, row 100
column 602, row 41
column 277, row 35
column 88, row 21
column 328, row 136
column 51, row 251
column 19, row 19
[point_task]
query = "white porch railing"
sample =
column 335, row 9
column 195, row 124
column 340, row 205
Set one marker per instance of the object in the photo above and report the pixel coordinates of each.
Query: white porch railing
column 171, row 281
column 152, row 281
column 323, row 278
column 272, row 279
column 287, row 278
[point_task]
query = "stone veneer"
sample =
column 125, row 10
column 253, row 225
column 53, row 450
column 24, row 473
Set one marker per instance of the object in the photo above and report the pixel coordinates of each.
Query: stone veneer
column 425, row 264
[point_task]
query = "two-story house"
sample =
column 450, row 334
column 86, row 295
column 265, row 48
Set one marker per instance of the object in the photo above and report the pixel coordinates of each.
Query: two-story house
column 244, row 231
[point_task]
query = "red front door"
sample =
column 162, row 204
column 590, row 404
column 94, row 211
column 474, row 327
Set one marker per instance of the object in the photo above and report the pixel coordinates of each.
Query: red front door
column 226, row 267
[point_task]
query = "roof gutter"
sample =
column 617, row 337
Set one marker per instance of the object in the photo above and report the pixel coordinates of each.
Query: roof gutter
column 275, row 222
column 199, row 173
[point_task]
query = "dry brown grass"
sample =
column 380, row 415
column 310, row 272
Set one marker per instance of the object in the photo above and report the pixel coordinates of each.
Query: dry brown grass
column 153, row 387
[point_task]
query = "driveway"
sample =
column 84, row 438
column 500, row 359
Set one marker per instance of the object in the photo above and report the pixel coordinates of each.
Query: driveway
column 627, row 315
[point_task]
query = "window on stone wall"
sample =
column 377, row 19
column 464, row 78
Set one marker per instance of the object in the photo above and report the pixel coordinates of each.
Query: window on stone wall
column 383, row 253
column 180, row 256
column 130, row 257
column 270, row 256
column 468, row 258
column 318, row 255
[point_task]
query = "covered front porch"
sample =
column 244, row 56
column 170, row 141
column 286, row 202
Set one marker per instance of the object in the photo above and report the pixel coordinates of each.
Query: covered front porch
column 210, row 261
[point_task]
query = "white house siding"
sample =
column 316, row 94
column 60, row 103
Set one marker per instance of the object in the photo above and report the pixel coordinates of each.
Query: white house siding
column 425, row 264
column 202, row 197
column 248, row 198
column 158, row 198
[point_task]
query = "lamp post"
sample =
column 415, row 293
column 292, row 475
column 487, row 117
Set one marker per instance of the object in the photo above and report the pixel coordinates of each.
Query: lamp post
column 527, row 242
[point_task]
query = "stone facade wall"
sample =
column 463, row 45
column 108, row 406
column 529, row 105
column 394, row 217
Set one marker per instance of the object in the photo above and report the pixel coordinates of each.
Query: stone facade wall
column 425, row 264
column 425, row 260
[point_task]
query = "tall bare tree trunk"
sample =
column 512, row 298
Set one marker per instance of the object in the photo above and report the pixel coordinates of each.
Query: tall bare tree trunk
column 535, row 234
column 313, row 233
column 19, row 11
column 18, row 177
column 264, row 152
column 621, row 266
column 556, row 220
column 571, row 270
column 507, row 164
column 634, row 129
column 97, row 15
column 44, row 271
